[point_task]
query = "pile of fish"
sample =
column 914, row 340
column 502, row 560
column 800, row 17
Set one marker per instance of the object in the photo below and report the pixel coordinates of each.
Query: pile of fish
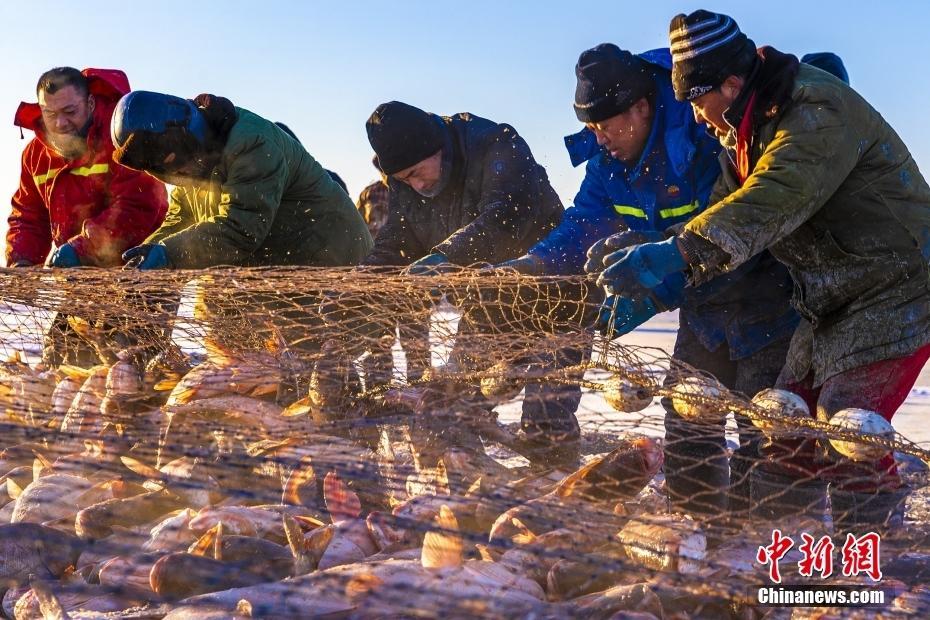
column 178, row 488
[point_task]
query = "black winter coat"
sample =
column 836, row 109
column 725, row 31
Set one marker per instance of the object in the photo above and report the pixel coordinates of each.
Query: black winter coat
column 496, row 204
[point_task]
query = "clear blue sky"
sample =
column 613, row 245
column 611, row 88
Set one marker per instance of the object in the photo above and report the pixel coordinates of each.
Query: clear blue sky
column 322, row 67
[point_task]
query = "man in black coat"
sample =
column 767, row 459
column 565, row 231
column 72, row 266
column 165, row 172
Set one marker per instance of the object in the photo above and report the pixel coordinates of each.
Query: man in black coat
column 464, row 190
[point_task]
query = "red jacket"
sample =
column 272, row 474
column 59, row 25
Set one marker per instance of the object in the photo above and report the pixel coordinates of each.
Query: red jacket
column 93, row 203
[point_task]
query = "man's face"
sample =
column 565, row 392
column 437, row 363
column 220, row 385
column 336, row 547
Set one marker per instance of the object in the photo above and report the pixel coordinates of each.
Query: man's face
column 625, row 135
column 65, row 115
column 424, row 176
column 194, row 172
column 709, row 107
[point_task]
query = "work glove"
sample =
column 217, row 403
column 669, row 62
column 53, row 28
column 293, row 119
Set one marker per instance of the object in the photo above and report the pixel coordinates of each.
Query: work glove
column 147, row 256
column 608, row 245
column 643, row 266
column 430, row 265
column 527, row 264
column 633, row 311
column 64, row 256
column 624, row 314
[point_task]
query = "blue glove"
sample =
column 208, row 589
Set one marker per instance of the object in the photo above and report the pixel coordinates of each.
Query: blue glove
column 64, row 256
column 627, row 316
column 527, row 265
column 147, row 256
column 597, row 252
column 641, row 266
column 429, row 265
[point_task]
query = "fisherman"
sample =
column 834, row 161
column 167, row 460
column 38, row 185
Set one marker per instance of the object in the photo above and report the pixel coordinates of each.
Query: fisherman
column 71, row 194
column 816, row 176
column 650, row 168
column 466, row 190
column 246, row 194
column 373, row 203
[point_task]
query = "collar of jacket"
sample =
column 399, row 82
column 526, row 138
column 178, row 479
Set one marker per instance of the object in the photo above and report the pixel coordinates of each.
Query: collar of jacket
column 673, row 117
column 772, row 81
column 106, row 85
column 220, row 115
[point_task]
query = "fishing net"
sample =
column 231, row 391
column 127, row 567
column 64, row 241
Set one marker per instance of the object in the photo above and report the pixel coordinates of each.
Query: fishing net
column 363, row 443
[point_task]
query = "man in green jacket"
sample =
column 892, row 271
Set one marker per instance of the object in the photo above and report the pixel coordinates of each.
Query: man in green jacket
column 246, row 194
column 815, row 175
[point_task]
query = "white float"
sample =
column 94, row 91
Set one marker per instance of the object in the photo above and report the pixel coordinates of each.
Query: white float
column 697, row 399
column 864, row 422
column 781, row 403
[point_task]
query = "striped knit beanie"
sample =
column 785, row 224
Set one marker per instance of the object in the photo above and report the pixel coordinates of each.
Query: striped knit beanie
column 706, row 48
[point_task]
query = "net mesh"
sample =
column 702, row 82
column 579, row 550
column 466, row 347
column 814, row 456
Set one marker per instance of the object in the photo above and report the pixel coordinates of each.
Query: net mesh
column 300, row 442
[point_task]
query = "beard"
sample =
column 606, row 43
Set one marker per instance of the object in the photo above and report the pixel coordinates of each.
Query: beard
column 71, row 146
column 445, row 172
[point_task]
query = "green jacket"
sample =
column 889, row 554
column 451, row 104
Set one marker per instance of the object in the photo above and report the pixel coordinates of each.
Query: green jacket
column 836, row 196
column 268, row 202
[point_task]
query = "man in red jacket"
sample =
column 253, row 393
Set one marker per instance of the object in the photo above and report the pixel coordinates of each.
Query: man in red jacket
column 71, row 192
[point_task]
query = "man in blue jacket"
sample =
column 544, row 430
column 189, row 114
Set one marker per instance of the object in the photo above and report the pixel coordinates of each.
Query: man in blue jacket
column 650, row 169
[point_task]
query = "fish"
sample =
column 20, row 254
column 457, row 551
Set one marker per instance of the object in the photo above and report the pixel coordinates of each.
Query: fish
column 306, row 550
column 912, row 568
column 620, row 474
column 181, row 575
column 665, row 543
column 242, row 611
column 98, row 520
column 300, row 487
column 350, row 541
column 426, row 583
column 636, row 601
column 32, row 549
column 172, row 533
column 242, row 409
column 586, row 572
column 78, row 601
column 416, row 514
column 188, row 478
column 258, row 555
column 259, row 521
column 56, row 496
column 166, row 369
column 30, row 394
column 594, row 489
column 256, row 375
column 123, row 378
column 16, row 479
column 62, row 397
column 327, row 397
column 128, row 571
column 84, row 418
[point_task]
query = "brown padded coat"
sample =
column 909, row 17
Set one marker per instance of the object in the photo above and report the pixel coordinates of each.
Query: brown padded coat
column 835, row 195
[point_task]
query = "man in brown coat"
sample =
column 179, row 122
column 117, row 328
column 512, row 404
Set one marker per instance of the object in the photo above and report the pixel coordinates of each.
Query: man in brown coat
column 814, row 174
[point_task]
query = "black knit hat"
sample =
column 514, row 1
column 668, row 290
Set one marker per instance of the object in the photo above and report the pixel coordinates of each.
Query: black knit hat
column 402, row 135
column 706, row 48
column 610, row 80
